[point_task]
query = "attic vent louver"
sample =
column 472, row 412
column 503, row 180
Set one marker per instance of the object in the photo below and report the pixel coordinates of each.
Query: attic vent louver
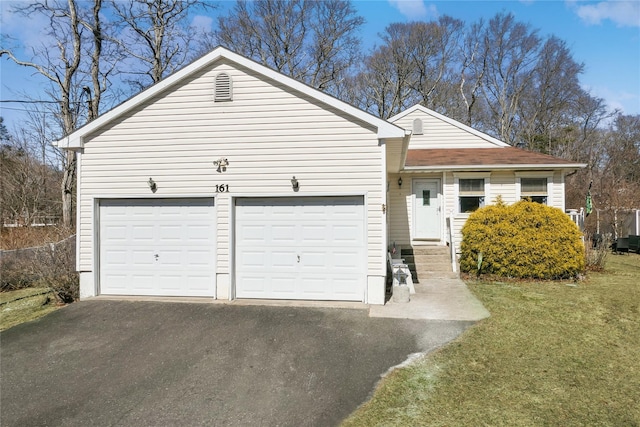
column 223, row 88
column 417, row 127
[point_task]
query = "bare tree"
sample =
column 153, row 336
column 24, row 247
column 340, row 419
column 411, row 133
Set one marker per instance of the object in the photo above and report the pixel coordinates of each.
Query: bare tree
column 548, row 107
column 314, row 42
column 433, row 49
column 155, row 35
column 584, row 141
column 61, row 60
column 472, row 69
column 389, row 73
column 28, row 190
column 510, row 54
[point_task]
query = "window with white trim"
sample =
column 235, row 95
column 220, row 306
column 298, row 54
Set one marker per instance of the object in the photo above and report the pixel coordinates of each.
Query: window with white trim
column 534, row 189
column 471, row 194
column 223, row 88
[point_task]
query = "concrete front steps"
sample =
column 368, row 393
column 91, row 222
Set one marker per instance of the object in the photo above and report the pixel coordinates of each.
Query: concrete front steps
column 428, row 262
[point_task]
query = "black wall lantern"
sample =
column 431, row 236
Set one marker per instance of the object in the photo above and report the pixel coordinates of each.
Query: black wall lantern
column 152, row 185
column 294, row 184
column 400, row 182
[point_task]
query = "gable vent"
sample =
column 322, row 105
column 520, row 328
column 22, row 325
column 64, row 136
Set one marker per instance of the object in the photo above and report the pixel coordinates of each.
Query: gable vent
column 417, row 127
column 223, row 88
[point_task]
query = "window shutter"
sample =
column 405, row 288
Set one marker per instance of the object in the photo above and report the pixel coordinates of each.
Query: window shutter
column 223, row 88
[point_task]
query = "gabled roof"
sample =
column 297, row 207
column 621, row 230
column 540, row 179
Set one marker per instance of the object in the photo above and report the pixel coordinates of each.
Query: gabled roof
column 76, row 139
column 450, row 121
column 484, row 158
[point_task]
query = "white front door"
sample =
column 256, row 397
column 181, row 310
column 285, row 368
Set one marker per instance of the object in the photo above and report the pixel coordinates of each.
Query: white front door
column 310, row 248
column 426, row 212
column 157, row 247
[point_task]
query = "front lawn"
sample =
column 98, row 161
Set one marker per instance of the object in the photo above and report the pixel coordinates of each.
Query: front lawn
column 557, row 354
column 24, row 305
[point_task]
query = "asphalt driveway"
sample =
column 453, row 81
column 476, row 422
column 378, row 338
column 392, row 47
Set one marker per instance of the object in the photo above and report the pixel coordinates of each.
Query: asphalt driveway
column 125, row 363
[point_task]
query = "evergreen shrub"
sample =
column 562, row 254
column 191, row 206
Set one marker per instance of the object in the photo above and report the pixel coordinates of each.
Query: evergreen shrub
column 523, row 240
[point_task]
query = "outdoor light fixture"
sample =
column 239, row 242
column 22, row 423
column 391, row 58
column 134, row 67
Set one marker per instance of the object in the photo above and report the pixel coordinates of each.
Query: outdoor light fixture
column 221, row 164
column 294, row 184
column 400, row 182
column 152, row 185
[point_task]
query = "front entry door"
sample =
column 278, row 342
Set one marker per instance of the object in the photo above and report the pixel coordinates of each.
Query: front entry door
column 426, row 213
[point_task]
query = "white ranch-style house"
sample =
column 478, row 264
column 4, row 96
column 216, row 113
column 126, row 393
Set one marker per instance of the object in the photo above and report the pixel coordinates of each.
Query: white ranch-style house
column 230, row 180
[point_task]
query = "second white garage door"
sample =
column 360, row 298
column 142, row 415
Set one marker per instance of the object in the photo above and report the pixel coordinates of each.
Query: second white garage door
column 310, row 248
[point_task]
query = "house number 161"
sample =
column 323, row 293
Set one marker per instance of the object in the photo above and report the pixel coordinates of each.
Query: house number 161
column 222, row 188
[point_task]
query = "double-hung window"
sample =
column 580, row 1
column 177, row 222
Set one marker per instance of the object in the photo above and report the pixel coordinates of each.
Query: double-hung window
column 471, row 194
column 534, row 189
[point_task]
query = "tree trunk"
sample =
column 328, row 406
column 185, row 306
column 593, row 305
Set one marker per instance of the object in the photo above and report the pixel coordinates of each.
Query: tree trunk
column 68, row 181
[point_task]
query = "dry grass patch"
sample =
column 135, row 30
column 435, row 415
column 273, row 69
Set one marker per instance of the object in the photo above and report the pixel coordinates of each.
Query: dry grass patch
column 24, row 305
column 554, row 353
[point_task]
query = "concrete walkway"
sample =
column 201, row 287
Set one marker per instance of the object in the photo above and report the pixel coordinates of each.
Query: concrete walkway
column 435, row 299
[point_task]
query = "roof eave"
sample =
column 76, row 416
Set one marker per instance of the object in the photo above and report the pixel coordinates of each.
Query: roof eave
column 70, row 142
column 388, row 130
column 442, row 168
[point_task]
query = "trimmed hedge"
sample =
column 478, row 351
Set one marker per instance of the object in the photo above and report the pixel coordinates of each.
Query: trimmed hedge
column 523, row 240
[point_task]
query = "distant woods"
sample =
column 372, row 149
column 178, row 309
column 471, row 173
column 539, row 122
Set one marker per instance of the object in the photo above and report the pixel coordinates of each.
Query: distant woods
column 500, row 76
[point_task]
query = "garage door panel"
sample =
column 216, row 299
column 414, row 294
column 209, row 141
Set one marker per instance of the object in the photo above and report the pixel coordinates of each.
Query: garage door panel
column 170, row 232
column 282, row 234
column 170, row 283
column 199, row 258
column 141, row 281
column 347, row 234
column 140, row 258
column 252, row 234
column 170, row 259
column 315, row 233
column 254, row 285
column 198, row 233
column 181, row 232
column 318, row 230
column 315, row 260
column 202, row 283
column 141, row 233
column 252, row 260
column 283, row 259
column 313, row 287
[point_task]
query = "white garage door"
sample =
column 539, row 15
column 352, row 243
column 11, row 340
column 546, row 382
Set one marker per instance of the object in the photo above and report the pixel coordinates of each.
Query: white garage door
column 310, row 248
column 163, row 247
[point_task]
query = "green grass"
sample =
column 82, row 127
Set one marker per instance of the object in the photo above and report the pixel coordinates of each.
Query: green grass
column 25, row 305
column 551, row 354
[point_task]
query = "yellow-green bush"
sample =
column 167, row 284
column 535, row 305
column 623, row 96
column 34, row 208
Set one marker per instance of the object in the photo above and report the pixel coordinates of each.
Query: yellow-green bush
column 523, row 240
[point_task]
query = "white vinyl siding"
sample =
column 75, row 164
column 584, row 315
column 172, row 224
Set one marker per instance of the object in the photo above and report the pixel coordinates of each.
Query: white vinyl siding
column 497, row 183
column 437, row 133
column 268, row 134
column 502, row 185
